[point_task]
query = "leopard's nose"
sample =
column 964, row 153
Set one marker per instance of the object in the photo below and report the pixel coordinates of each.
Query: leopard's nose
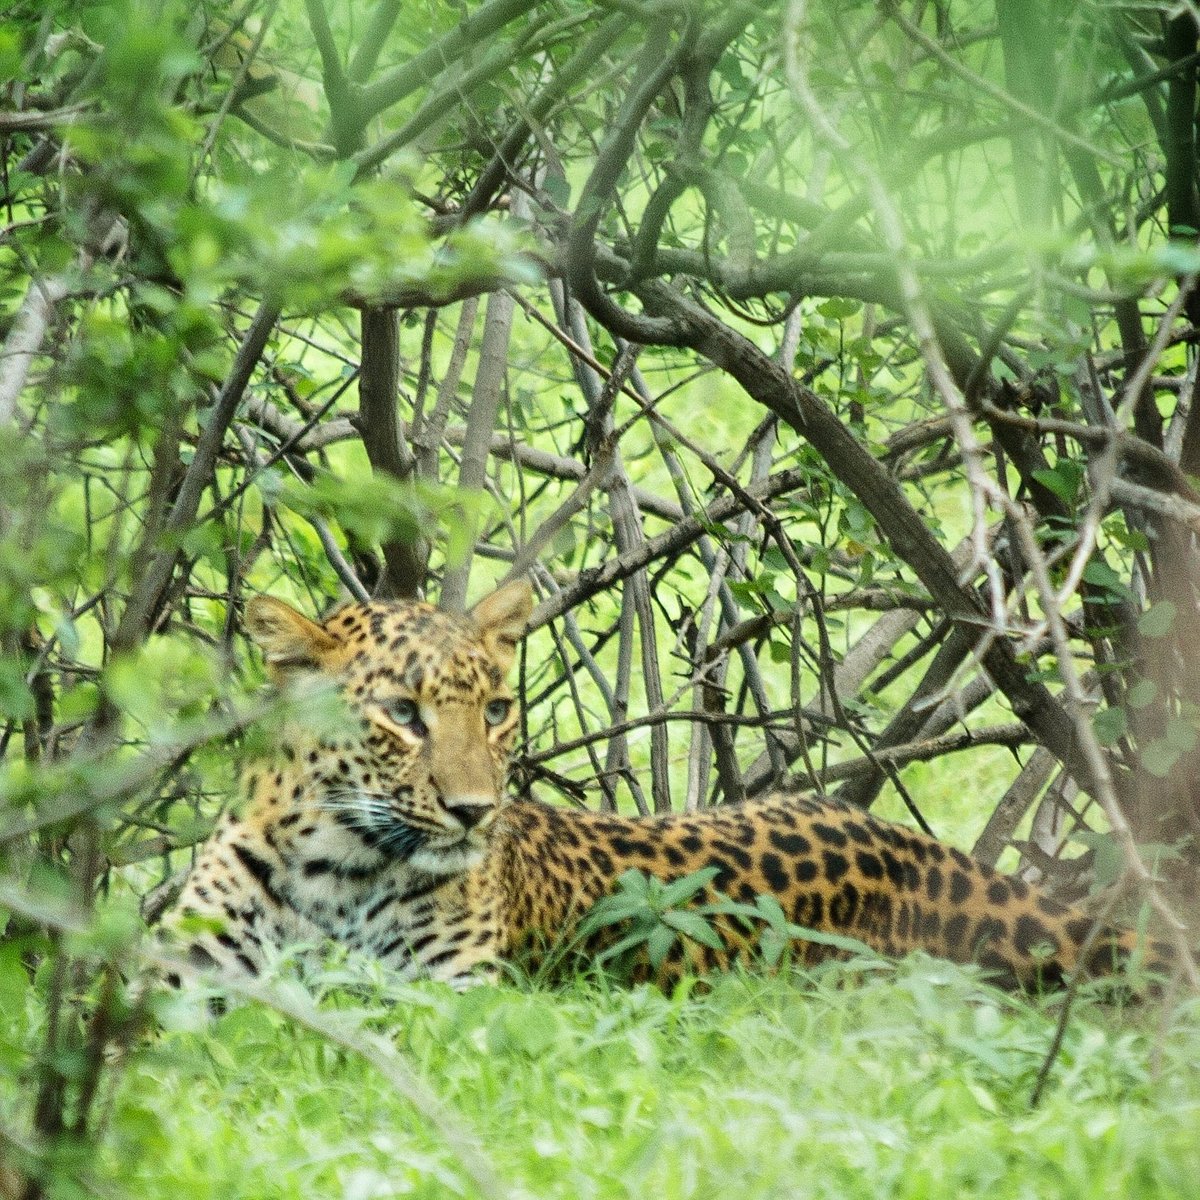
column 470, row 814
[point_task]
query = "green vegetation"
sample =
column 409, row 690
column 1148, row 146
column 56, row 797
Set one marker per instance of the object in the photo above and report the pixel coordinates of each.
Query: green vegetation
column 830, row 369
column 850, row 1083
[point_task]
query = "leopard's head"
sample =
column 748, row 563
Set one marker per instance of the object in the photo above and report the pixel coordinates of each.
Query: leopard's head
column 418, row 769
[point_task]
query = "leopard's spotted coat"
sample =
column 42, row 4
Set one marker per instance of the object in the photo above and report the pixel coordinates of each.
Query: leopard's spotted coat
column 393, row 834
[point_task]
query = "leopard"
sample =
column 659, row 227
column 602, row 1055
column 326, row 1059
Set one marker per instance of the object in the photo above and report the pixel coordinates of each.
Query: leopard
column 392, row 833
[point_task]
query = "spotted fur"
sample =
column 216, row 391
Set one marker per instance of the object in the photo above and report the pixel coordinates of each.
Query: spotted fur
column 370, row 834
column 394, row 836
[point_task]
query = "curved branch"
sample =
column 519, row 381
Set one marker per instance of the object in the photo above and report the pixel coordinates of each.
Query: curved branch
column 143, row 604
column 425, row 67
column 598, row 579
column 655, row 67
column 768, row 383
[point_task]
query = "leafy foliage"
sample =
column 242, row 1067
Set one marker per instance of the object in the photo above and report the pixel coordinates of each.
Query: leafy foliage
column 645, row 916
column 834, row 384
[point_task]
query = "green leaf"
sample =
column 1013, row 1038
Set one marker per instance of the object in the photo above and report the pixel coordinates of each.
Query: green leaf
column 778, row 650
column 771, row 946
column 16, row 699
column 522, row 1028
column 635, row 882
column 1101, row 576
column 838, row 309
column 1107, row 862
column 1110, row 724
column 1158, row 621
column 659, row 944
column 557, row 189
column 694, row 926
column 1064, row 479
column 629, row 942
column 771, row 910
column 611, row 910
column 1159, row 757
column 685, row 888
column 837, row 941
column 1181, row 734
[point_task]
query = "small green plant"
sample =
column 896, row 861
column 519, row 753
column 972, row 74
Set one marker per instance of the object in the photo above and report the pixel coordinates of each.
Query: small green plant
column 650, row 916
column 653, row 916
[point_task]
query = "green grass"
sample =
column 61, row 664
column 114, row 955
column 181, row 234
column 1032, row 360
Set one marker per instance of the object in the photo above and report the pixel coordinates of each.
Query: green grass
column 906, row 1083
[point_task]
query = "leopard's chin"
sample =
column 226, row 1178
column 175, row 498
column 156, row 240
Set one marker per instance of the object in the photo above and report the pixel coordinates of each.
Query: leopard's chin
column 448, row 860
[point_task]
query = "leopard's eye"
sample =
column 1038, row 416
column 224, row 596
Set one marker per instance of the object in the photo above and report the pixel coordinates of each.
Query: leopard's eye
column 497, row 712
column 403, row 712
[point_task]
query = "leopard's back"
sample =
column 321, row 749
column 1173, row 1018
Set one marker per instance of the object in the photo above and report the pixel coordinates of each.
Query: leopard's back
column 832, row 868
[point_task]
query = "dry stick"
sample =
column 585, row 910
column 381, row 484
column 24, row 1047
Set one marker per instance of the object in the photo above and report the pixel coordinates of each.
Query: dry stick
column 424, row 369
column 920, row 750
column 85, row 786
column 456, row 90
column 286, row 451
column 616, row 697
column 772, row 523
column 1064, row 1014
column 307, row 438
column 1014, row 804
column 255, row 463
column 701, row 745
column 603, row 775
column 1103, row 473
column 373, row 38
column 618, row 745
column 934, row 685
column 594, row 580
column 394, row 85
column 732, row 775
column 428, row 438
column 627, row 529
column 25, row 337
column 337, row 560
column 566, row 75
column 1160, row 462
column 1089, row 746
column 912, row 301
column 689, row 324
column 985, row 86
column 727, row 767
column 1181, row 417
column 235, row 87
column 1134, row 495
column 828, row 672
column 1013, row 734
column 760, row 446
column 481, row 424
column 596, row 477
column 716, row 564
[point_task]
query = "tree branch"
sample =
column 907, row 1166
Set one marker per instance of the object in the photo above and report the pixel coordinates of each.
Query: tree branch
column 406, row 562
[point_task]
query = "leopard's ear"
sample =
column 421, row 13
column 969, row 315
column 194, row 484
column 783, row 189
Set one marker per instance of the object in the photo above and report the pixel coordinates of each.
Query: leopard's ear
column 501, row 619
column 288, row 639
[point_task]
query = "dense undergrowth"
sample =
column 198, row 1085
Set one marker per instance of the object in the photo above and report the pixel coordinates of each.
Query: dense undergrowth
column 912, row 1081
